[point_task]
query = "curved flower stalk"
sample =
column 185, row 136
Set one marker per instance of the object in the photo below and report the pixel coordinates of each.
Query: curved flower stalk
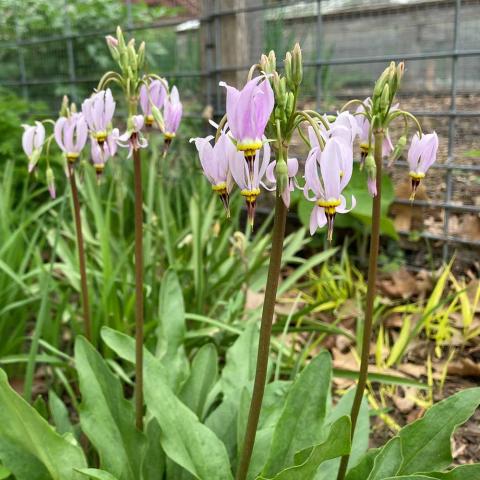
column 32, row 143
column 335, row 173
column 421, row 156
column 249, row 182
column 248, row 112
column 173, row 112
column 215, row 161
column 98, row 111
column 152, row 95
column 292, row 170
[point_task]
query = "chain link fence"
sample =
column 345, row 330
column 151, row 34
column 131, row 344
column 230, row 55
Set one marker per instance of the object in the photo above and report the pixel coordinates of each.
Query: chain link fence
column 346, row 45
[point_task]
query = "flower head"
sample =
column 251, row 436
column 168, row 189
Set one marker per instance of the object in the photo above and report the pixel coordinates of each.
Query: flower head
column 32, row 143
column 98, row 111
column 249, row 184
column 71, row 134
column 100, row 153
column 172, row 114
column 292, row 170
column 421, row 156
column 248, row 111
column 153, row 94
column 133, row 138
column 328, row 185
column 215, row 162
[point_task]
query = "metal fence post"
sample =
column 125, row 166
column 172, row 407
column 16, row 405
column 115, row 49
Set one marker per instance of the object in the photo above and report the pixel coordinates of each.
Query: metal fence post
column 70, row 52
column 319, row 44
column 451, row 127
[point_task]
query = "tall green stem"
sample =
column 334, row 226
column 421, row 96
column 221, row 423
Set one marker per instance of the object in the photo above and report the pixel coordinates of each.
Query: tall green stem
column 278, row 234
column 371, row 288
column 81, row 253
column 137, row 172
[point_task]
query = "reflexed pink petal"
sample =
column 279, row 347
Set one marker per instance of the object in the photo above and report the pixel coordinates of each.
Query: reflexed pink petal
column 81, row 133
column 330, row 169
column 270, row 172
column 313, row 220
column 27, row 139
column 58, row 132
column 414, row 153
column 233, row 96
column 237, row 169
column 372, row 186
column 387, row 147
column 429, row 152
column 109, row 107
column 342, row 208
column 312, row 179
column 286, row 197
column 144, row 101
column 292, row 167
column 39, row 135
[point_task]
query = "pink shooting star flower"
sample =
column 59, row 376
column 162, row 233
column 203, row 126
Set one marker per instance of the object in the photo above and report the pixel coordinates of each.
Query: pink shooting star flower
column 248, row 112
column 421, row 156
column 71, row 135
column 98, row 111
column 292, row 170
column 32, row 143
column 364, row 133
column 249, row 184
column 133, row 138
column 328, row 186
column 100, row 153
column 172, row 114
column 215, row 162
column 153, row 94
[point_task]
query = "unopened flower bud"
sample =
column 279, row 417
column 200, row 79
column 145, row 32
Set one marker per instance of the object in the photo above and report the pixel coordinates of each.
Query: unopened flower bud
column 141, row 55
column 158, row 117
column 112, row 43
column 64, row 108
column 288, row 68
column 400, row 71
column 272, row 60
column 132, row 55
column 385, row 99
column 51, row 182
column 120, row 40
column 380, row 83
column 280, row 89
column 290, row 105
column 399, row 147
column 264, row 64
column 297, row 67
column 281, row 174
column 73, row 108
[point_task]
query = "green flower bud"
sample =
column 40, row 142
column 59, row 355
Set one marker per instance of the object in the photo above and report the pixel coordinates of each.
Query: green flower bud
column 297, row 66
column 385, row 99
column 50, row 182
column 280, row 90
column 141, row 55
column 121, row 40
column 281, row 174
column 64, row 108
column 124, row 60
column 158, row 117
column 272, row 60
column 264, row 63
column 380, row 83
column 132, row 55
column 73, row 108
column 370, row 166
column 288, row 69
column 399, row 147
column 290, row 104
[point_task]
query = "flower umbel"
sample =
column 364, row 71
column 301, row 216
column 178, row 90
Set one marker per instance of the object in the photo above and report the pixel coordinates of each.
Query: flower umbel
column 421, row 156
column 327, row 186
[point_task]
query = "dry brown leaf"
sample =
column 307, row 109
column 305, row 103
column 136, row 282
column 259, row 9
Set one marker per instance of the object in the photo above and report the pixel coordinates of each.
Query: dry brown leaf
column 464, row 367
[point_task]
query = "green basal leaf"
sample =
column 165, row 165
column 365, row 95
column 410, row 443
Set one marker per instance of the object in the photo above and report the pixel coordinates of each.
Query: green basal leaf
column 171, row 329
column 309, row 460
column 364, row 466
column 29, row 447
column 153, row 464
column 426, row 442
column 106, row 417
column 464, row 472
column 203, row 376
column 388, row 460
column 59, row 414
column 96, row 474
column 185, row 440
column 303, row 415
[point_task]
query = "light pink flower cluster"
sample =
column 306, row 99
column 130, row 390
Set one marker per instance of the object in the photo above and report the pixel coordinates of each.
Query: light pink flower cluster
column 153, row 95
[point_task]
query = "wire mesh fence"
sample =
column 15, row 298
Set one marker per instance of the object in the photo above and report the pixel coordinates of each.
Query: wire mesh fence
column 346, row 44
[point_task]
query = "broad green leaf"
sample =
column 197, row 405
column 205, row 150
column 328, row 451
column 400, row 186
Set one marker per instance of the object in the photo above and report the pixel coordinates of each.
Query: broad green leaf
column 364, row 466
column 96, row 474
column 106, row 417
column 29, row 447
column 121, row 344
column 309, row 460
column 426, row 442
column 301, row 421
column 59, row 414
column 184, row 439
column 171, row 329
column 464, row 472
column 388, row 460
column 203, row 375
column 360, row 438
column 410, row 477
column 153, row 464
